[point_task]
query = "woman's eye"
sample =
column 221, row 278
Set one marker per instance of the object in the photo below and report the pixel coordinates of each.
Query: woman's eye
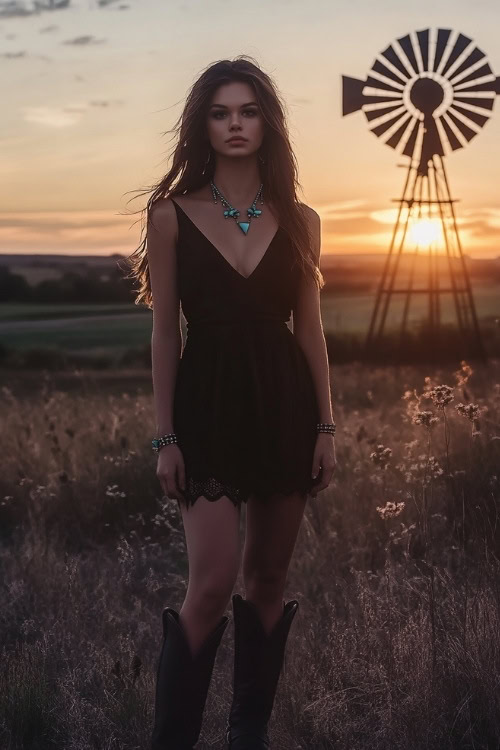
column 219, row 115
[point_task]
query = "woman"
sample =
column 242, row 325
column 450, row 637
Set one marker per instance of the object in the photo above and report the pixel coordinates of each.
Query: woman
column 243, row 411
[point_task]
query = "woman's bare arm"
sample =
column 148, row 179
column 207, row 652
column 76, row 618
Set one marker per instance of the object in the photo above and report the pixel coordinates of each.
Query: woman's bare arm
column 166, row 339
column 308, row 327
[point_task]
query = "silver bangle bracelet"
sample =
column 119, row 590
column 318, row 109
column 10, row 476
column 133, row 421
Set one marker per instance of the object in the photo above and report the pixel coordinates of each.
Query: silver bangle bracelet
column 159, row 442
column 326, row 427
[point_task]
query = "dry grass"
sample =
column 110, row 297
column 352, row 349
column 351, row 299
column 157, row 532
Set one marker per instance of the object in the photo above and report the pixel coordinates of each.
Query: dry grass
column 397, row 641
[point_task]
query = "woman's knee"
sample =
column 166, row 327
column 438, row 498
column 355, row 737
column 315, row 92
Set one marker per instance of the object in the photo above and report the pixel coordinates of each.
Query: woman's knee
column 265, row 585
column 210, row 595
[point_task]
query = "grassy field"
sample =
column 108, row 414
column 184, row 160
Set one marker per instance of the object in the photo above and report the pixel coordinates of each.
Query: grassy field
column 105, row 329
column 396, row 645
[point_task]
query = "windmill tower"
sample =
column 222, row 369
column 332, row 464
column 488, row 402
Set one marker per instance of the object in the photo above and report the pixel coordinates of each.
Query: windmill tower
column 427, row 94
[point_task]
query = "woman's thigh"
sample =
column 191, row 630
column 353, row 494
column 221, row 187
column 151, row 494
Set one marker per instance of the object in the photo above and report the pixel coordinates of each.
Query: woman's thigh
column 212, row 532
column 272, row 527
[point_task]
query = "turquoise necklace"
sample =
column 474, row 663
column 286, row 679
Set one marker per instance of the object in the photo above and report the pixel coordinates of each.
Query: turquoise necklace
column 233, row 213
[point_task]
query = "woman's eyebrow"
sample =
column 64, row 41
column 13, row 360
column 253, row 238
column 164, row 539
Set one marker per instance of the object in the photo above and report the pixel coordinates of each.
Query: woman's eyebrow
column 225, row 107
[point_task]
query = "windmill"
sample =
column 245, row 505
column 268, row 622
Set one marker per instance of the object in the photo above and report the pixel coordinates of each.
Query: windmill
column 427, row 94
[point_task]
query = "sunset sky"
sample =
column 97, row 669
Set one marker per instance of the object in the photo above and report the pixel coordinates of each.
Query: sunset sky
column 89, row 90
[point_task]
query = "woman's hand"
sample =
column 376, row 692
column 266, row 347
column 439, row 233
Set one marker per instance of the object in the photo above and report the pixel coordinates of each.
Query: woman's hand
column 170, row 471
column 324, row 461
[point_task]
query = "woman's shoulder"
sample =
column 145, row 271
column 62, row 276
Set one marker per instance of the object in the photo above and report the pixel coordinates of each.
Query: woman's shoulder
column 310, row 213
column 192, row 197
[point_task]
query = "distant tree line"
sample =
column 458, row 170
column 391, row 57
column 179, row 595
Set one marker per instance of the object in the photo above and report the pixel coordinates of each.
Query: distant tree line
column 73, row 286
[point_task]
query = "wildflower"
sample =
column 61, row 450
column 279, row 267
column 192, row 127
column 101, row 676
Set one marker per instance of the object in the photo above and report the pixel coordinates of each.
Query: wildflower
column 409, row 448
column 113, row 491
column 470, row 411
column 409, row 395
column 381, row 456
column 434, row 467
column 390, row 509
column 425, row 418
column 463, row 374
column 441, row 395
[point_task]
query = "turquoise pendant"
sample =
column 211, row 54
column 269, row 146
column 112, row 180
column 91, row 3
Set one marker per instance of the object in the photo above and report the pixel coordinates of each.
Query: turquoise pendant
column 233, row 213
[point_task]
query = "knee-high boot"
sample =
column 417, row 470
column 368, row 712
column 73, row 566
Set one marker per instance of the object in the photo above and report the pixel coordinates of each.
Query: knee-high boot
column 258, row 660
column 182, row 684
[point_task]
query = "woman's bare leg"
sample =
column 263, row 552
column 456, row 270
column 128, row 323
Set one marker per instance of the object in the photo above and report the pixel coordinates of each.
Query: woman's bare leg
column 272, row 526
column 212, row 538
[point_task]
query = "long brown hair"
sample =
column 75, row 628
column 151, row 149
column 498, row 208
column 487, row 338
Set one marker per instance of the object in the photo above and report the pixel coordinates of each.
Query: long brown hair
column 190, row 169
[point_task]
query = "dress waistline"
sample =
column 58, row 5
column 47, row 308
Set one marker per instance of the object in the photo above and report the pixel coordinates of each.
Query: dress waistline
column 236, row 321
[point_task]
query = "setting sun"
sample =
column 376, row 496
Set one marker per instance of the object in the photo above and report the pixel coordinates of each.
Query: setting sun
column 425, row 232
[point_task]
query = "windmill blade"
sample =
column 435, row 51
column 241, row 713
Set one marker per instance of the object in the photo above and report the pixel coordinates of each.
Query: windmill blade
column 395, row 138
column 379, row 67
column 407, row 46
column 373, row 114
column 385, row 126
column 466, row 131
column 477, row 102
column 391, row 55
column 442, row 41
column 423, row 43
column 480, row 120
column 484, row 70
column 374, row 83
column 452, row 138
column 460, row 46
column 475, row 56
column 478, row 87
column 409, row 149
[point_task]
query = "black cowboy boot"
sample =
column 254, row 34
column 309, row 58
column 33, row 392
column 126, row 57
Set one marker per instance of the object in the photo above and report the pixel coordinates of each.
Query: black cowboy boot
column 182, row 684
column 258, row 660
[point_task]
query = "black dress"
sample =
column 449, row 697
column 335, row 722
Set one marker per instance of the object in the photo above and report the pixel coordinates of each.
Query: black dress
column 245, row 408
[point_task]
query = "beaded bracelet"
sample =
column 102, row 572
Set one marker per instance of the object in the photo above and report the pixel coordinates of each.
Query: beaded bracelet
column 326, row 427
column 158, row 443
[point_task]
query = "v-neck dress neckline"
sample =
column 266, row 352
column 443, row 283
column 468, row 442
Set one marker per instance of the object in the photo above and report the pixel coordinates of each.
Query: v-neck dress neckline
column 223, row 257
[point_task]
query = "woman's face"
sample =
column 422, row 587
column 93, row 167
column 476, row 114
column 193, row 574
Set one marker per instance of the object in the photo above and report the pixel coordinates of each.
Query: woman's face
column 233, row 111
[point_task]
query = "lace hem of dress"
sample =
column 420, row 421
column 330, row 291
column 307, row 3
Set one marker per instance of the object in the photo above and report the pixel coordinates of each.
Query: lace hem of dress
column 213, row 489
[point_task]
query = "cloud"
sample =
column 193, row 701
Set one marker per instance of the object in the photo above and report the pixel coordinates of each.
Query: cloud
column 69, row 232
column 65, row 115
column 27, row 8
column 84, row 40
column 341, row 209
column 23, row 8
column 52, row 117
